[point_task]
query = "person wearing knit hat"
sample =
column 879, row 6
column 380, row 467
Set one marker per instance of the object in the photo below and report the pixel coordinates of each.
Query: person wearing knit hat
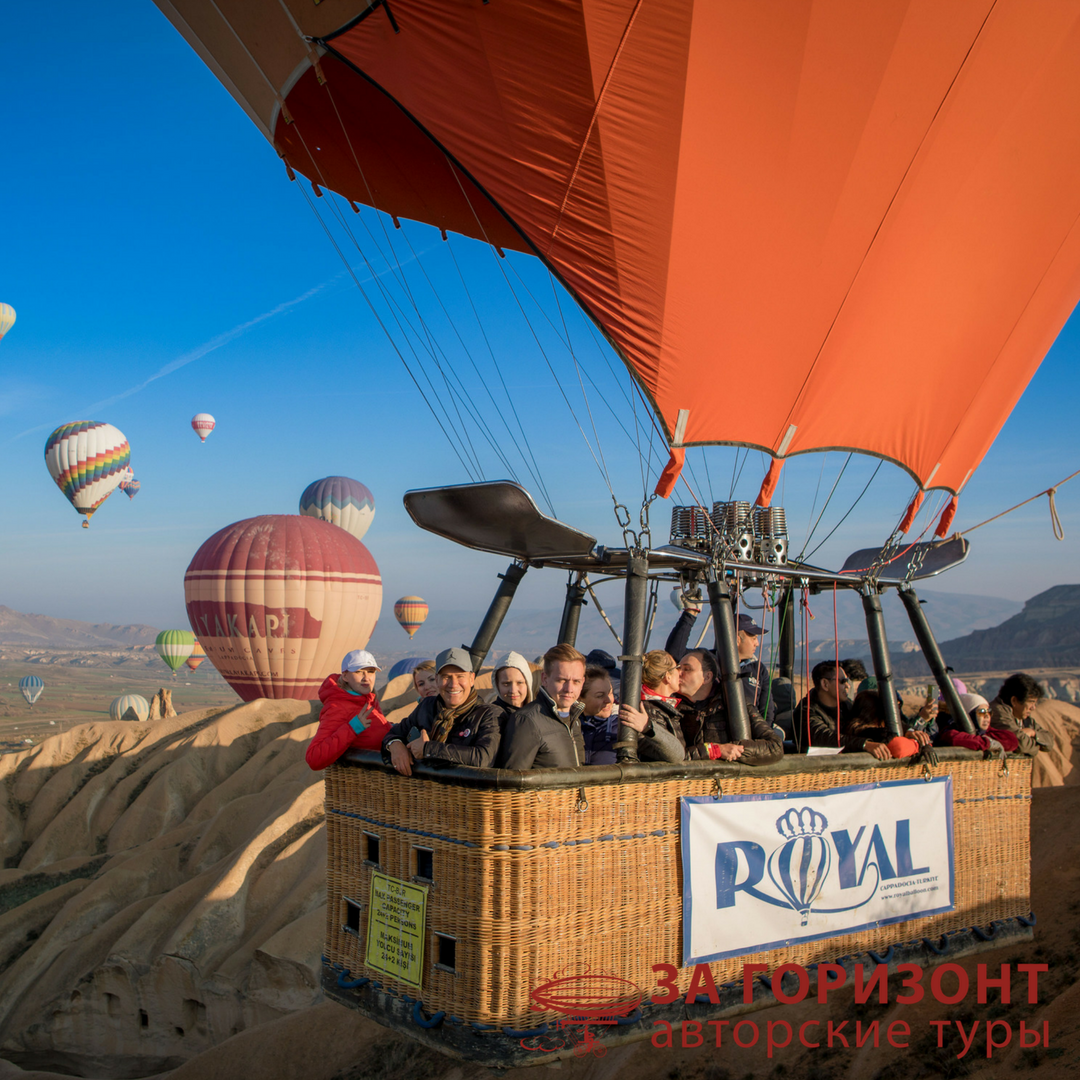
column 512, row 678
column 985, row 737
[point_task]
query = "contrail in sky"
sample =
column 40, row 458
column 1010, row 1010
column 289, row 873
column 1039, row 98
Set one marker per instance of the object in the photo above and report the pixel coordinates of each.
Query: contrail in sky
column 217, row 342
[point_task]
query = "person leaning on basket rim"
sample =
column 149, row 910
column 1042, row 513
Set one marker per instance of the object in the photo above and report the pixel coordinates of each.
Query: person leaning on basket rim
column 350, row 717
column 454, row 727
column 546, row 733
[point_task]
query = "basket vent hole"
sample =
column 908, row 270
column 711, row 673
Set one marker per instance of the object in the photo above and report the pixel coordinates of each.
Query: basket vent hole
column 447, row 952
column 352, row 916
column 425, row 863
column 372, row 848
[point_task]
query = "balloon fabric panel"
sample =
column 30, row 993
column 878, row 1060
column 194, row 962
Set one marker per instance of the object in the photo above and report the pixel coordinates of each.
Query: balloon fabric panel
column 824, row 195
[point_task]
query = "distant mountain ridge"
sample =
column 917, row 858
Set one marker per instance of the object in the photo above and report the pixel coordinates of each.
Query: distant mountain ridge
column 1045, row 634
column 45, row 632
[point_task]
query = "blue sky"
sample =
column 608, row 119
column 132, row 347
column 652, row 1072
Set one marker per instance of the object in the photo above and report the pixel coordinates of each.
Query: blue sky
column 162, row 264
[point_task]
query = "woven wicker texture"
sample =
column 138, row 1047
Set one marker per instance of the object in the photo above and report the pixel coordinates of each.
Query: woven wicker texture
column 529, row 886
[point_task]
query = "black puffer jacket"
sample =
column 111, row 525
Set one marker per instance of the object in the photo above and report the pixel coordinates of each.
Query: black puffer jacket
column 473, row 740
column 662, row 740
column 537, row 737
column 707, row 722
column 822, row 721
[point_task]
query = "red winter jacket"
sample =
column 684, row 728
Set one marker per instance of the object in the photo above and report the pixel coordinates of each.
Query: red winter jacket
column 335, row 736
column 956, row 737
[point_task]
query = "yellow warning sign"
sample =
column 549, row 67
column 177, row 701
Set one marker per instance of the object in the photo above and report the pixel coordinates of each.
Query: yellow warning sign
column 395, row 933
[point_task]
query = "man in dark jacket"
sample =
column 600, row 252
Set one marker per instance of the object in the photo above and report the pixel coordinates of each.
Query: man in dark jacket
column 815, row 719
column 455, row 726
column 1012, row 710
column 704, row 717
column 546, row 733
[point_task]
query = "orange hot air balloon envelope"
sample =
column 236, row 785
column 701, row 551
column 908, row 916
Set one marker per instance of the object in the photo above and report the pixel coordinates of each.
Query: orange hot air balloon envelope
column 810, row 198
column 410, row 611
column 278, row 600
column 198, row 655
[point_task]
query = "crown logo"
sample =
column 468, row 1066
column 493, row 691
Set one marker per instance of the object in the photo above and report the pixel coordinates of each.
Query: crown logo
column 804, row 822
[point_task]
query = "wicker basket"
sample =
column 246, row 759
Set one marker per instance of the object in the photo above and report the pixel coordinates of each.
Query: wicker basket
column 528, row 883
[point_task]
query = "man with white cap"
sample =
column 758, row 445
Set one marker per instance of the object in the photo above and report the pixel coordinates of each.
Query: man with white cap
column 454, row 727
column 350, row 718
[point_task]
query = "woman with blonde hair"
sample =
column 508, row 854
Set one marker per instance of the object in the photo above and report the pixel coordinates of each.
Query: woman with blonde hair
column 661, row 737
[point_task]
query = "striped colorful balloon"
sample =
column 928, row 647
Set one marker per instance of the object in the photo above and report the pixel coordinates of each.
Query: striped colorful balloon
column 198, row 655
column 7, row 318
column 120, row 706
column 130, row 488
column 174, row 647
column 278, row 600
column 30, row 686
column 410, row 611
column 87, row 459
column 202, row 424
column 341, row 501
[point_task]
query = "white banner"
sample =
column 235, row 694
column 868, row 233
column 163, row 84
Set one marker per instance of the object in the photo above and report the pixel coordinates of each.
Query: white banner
column 763, row 871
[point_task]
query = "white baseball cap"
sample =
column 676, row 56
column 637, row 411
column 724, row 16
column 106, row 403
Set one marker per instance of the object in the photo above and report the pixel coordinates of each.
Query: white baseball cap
column 358, row 660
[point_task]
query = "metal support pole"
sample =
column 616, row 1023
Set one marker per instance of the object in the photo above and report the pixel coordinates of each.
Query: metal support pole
column 928, row 643
column 500, row 604
column 637, row 598
column 879, row 650
column 787, row 633
column 571, row 612
column 727, row 652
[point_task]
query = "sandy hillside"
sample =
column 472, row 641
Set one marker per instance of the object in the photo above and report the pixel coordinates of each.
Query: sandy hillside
column 163, row 907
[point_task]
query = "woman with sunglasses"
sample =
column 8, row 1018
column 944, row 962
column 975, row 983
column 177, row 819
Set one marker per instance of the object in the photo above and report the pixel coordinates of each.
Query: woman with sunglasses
column 986, row 737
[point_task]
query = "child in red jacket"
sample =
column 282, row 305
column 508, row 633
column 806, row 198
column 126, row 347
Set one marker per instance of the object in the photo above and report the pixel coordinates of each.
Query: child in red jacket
column 350, row 718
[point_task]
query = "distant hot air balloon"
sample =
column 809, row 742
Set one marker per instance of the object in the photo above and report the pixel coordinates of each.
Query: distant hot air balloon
column 87, row 459
column 198, row 655
column 203, row 423
column 278, row 600
column 130, row 488
column 174, row 647
column 119, row 707
column 405, row 667
column 31, row 686
column 7, row 318
column 410, row 611
column 341, row 501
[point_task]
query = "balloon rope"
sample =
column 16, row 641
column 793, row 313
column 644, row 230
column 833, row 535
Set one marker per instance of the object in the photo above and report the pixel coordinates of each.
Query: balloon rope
column 603, row 615
column 1055, row 521
column 836, row 643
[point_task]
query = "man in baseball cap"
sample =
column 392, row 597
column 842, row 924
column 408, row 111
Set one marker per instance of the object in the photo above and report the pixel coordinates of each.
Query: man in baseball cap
column 350, row 718
column 455, row 726
column 756, row 680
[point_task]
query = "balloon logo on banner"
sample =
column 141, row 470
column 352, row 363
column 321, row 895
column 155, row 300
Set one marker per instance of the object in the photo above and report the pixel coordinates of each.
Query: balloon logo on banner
column 800, row 867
